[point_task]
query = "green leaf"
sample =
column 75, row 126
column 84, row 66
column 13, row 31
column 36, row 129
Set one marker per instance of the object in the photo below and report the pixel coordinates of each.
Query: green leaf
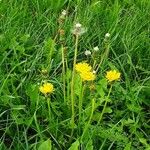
column 32, row 91
column 75, row 145
column 108, row 110
column 101, row 87
column 143, row 141
column 77, row 85
column 128, row 146
column 46, row 145
column 89, row 145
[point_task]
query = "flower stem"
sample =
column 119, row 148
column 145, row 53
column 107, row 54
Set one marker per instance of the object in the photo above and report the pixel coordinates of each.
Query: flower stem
column 91, row 115
column 63, row 74
column 72, row 82
column 49, row 110
column 106, row 101
column 104, row 56
column 81, row 101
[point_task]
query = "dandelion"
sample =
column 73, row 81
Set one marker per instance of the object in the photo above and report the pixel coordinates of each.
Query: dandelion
column 107, row 35
column 87, row 76
column 78, row 29
column 85, row 71
column 96, row 49
column 112, row 75
column 94, row 71
column 83, row 67
column 64, row 13
column 87, row 53
column 46, row 88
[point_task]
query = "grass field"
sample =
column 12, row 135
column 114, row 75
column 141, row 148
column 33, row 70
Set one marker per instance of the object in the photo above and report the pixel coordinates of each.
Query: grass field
column 74, row 74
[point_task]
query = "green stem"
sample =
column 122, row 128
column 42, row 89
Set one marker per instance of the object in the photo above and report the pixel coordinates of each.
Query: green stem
column 81, row 101
column 49, row 110
column 72, row 82
column 91, row 115
column 106, row 101
column 63, row 74
column 104, row 56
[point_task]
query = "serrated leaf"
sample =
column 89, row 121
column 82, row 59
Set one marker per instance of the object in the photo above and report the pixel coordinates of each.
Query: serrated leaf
column 108, row 110
column 89, row 145
column 143, row 141
column 75, row 145
column 77, row 85
column 128, row 146
column 46, row 145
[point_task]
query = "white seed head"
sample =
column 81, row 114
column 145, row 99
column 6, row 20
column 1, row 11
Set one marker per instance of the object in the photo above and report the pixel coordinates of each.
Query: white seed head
column 78, row 25
column 96, row 48
column 94, row 71
column 78, row 29
column 87, row 53
column 64, row 13
column 107, row 35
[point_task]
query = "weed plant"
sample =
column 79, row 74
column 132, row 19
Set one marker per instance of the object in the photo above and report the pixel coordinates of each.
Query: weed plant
column 74, row 75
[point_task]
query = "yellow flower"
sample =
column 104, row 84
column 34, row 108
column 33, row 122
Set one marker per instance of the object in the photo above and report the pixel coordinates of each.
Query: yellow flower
column 46, row 88
column 112, row 75
column 85, row 71
column 87, row 76
column 83, row 67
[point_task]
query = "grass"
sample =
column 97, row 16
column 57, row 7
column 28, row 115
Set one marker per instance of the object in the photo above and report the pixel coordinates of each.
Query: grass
column 92, row 119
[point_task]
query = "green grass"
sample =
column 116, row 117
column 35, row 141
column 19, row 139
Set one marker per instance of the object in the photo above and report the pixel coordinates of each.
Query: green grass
column 29, row 42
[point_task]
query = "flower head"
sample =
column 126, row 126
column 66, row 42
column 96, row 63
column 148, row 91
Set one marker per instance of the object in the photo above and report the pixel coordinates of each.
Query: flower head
column 46, row 88
column 85, row 71
column 78, row 29
column 96, row 49
column 87, row 53
column 107, row 35
column 83, row 67
column 112, row 75
column 87, row 76
column 64, row 13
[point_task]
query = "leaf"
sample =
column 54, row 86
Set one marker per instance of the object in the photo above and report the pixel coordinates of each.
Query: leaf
column 33, row 92
column 101, row 87
column 103, row 83
column 77, row 84
column 128, row 146
column 143, row 141
column 74, row 145
column 46, row 145
column 89, row 145
column 108, row 110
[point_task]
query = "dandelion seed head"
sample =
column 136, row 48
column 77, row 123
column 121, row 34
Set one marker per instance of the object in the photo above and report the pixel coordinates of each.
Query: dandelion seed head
column 78, row 29
column 107, row 35
column 96, row 49
column 78, row 25
column 94, row 71
column 87, row 52
column 64, row 13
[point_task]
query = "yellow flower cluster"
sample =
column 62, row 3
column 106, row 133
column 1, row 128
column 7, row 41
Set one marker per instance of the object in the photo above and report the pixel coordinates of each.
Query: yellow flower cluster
column 85, row 71
column 46, row 88
column 112, row 75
